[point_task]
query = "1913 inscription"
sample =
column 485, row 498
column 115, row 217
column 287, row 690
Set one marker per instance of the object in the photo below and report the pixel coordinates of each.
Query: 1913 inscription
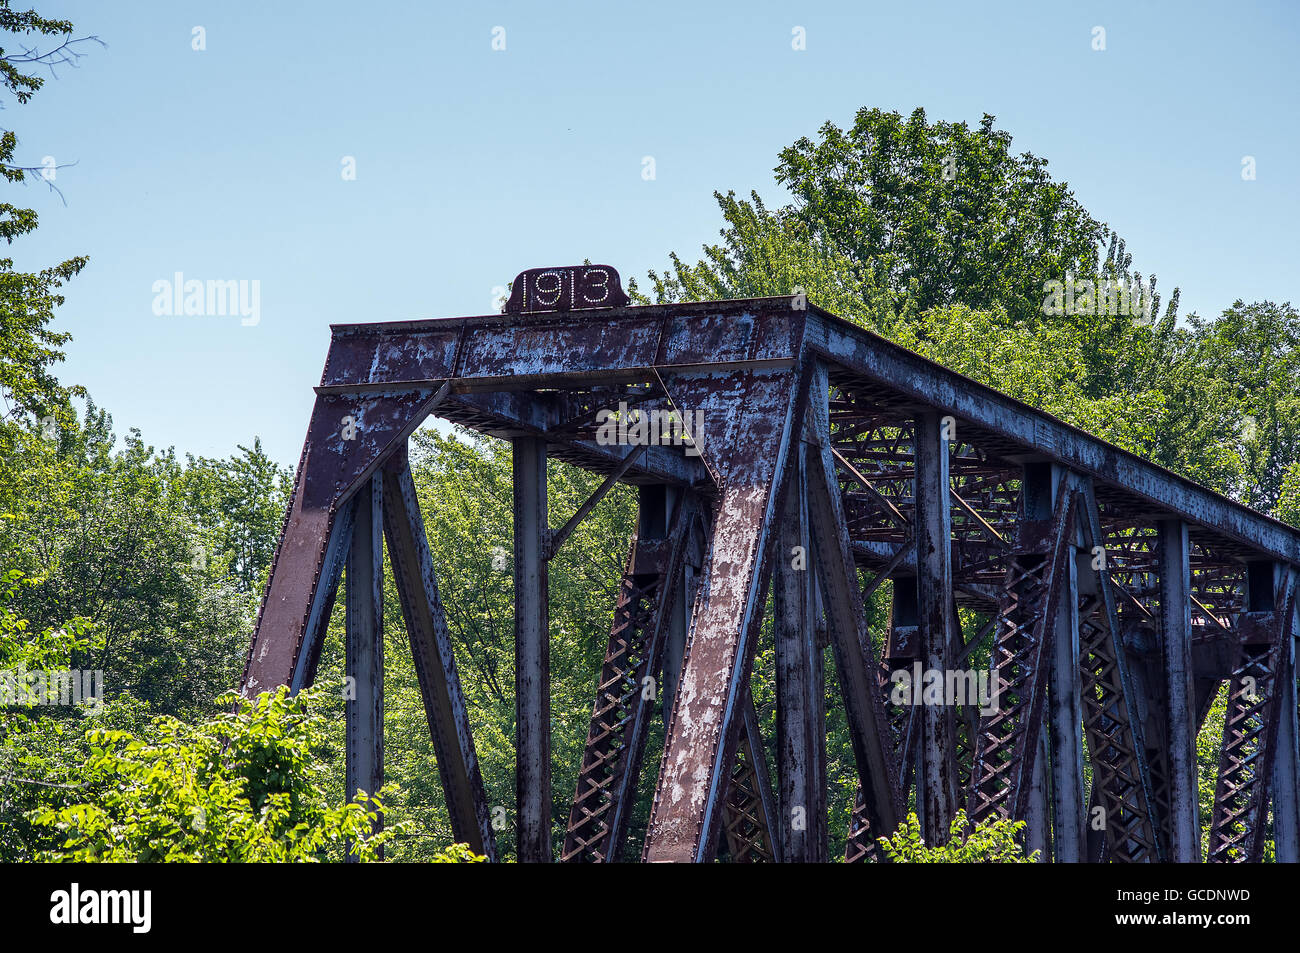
column 568, row 288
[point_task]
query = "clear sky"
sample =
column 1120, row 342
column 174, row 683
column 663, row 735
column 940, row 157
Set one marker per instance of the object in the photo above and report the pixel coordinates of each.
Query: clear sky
column 472, row 164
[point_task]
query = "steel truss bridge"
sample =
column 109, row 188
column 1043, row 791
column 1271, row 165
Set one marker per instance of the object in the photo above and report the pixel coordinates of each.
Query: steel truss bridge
column 1112, row 597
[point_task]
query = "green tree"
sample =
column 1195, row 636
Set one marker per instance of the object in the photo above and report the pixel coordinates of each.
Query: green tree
column 938, row 213
column 28, row 347
column 241, row 787
column 1253, row 351
column 236, row 505
column 994, row 842
column 107, row 533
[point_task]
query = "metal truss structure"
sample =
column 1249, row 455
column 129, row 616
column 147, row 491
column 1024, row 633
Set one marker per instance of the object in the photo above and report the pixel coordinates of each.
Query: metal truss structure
column 1102, row 601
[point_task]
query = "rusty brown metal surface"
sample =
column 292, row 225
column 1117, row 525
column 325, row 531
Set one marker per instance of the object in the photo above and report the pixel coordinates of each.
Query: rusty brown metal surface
column 874, row 750
column 747, row 421
column 1121, row 784
column 348, row 438
column 364, row 646
column 800, row 684
column 532, row 653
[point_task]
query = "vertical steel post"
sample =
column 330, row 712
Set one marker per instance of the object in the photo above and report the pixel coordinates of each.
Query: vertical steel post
column 1176, row 658
column 936, row 782
column 800, row 747
column 364, row 650
column 1037, row 496
column 1286, row 767
column 817, row 668
column 532, row 654
column 1065, row 696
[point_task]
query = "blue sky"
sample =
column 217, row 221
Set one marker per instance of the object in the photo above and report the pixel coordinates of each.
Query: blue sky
column 473, row 164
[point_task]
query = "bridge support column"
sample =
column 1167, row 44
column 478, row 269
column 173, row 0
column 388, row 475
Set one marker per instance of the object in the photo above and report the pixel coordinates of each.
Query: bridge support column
column 799, row 692
column 855, row 657
column 936, row 781
column 1043, row 484
column 532, row 654
column 365, row 644
column 1176, row 657
column 1069, row 837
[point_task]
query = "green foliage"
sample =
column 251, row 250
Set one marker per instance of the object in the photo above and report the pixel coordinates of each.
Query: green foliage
column 1288, row 504
column 244, row 786
column 28, row 348
column 21, row 648
column 457, row 854
column 37, row 743
column 125, row 537
column 924, row 215
column 1255, row 351
column 994, row 842
column 236, row 507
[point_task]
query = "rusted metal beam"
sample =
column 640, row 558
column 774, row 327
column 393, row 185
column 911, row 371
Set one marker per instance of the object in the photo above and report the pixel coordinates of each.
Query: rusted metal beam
column 936, row 780
column 1286, row 763
column 1250, row 729
column 1176, row 656
column 1121, row 773
column 1006, row 751
column 526, row 414
column 747, row 418
column 556, row 538
column 507, row 352
column 435, row 661
column 683, row 602
column 1065, row 691
column 801, row 744
column 881, row 500
column 364, row 647
column 878, row 772
column 626, row 693
column 749, row 811
column 349, row 437
column 532, row 654
column 320, row 607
